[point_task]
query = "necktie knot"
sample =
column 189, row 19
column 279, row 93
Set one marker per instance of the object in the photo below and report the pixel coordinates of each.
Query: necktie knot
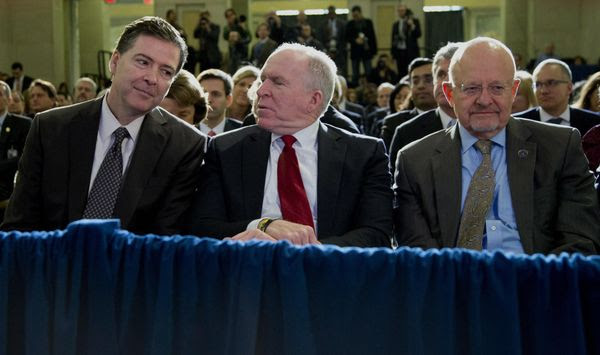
column 288, row 140
column 484, row 146
column 211, row 133
column 120, row 134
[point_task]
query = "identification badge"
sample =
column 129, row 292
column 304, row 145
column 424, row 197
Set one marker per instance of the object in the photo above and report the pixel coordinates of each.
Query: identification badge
column 12, row 153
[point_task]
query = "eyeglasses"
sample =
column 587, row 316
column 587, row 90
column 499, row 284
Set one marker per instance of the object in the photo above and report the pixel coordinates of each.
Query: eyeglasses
column 476, row 90
column 548, row 84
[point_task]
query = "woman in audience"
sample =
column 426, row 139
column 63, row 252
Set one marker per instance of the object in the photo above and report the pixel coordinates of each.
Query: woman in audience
column 588, row 97
column 398, row 96
column 242, row 80
column 525, row 98
column 186, row 99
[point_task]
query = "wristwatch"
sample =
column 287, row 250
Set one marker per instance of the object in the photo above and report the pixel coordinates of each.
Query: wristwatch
column 264, row 223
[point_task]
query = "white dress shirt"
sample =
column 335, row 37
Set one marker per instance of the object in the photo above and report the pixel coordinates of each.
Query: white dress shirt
column 218, row 129
column 104, row 140
column 566, row 116
column 306, row 147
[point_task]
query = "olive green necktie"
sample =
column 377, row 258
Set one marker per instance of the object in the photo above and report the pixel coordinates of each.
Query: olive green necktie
column 478, row 201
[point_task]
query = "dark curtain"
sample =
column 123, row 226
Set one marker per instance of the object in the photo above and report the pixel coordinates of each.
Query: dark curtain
column 95, row 289
column 441, row 28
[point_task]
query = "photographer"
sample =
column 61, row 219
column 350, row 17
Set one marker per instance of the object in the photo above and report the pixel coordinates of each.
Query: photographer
column 363, row 44
column 405, row 33
column 238, row 37
column 277, row 29
column 208, row 38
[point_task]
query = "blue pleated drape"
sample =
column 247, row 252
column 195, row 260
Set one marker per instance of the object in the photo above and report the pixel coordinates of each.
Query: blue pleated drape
column 96, row 289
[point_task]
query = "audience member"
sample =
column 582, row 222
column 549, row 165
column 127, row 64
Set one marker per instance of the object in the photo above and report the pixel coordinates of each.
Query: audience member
column 306, row 38
column 399, row 96
column 238, row 37
column 382, row 72
column 294, row 33
column 383, row 109
column 321, row 184
column 12, row 140
column 335, row 103
column 522, row 186
column 548, row 53
column 186, row 99
column 19, row 81
column 405, row 33
column 118, row 156
column 209, row 55
column 218, row 87
column 277, row 29
column 588, row 97
column 552, row 84
column 333, row 37
column 17, row 104
column 192, row 58
column 263, row 48
column 525, row 98
column 363, row 43
column 242, row 81
column 63, row 99
column 421, row 87
column 42, row 96
column 85, row 89
column 430, row 121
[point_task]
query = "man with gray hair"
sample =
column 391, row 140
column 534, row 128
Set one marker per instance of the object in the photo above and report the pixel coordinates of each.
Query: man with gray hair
column 552, row 81
column 290, row 176
column 85, row 89
column 433, row 120
column 493, row 182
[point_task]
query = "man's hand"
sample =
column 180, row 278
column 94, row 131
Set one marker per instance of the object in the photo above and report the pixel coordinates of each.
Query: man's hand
column 298, row 234
column 253, row 234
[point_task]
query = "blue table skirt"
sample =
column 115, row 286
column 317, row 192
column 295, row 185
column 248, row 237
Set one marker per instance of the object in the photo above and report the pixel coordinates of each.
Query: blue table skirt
column 96, row 289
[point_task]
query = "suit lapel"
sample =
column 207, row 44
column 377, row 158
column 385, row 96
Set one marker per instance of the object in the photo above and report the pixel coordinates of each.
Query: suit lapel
column 520, row 160
column 447, row 177
column 152, row 140
column 83, row 133
column 255, row 157
column 331, row 156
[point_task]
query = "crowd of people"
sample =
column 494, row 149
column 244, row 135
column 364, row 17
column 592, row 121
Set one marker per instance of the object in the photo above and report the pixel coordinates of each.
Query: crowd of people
column 458, row 150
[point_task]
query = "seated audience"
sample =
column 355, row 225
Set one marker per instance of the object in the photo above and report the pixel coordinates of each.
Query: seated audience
column 42, row 96
column 186, row 99
column 399, row 96
column 493, row 182
column 588, row 97
column 382, row 72
column 17, row 104
column 242, row 80
column 218, row 86
column 291, row 177
column 19, row 81
column 525, row 98
column 85, row 89
column 553, row 86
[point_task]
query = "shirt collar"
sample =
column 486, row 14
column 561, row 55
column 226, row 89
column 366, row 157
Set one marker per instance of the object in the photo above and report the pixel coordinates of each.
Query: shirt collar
column 306, row 137
column 545, row 116
column 445, row 118
column 109, row 123
column 3, row 117
column 220, row 128
column 467, row 140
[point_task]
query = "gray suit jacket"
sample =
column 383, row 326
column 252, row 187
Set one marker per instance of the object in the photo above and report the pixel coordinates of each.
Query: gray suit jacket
column 55, row 169
column 551, row 188
column 354, row 198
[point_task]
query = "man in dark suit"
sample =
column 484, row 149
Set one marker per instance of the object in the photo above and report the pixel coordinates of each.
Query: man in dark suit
column 290, row 176
column 118, row 156
column 553, row 86
column 431, row 121
column 14, row 129
column 333, row 37
column 263, row 48
column 405, row 33
column 19, row 81
column 363, row 43
column 522, row 186
column 421, row 90
column 218, row 86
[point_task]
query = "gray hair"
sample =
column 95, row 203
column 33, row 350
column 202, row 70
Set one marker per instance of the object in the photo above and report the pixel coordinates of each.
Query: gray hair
column 562, row 65
column 446, row 52
column 85, row 79
column 5, row 88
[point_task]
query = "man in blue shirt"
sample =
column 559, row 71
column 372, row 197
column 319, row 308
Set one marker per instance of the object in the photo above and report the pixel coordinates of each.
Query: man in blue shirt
column 494, row 182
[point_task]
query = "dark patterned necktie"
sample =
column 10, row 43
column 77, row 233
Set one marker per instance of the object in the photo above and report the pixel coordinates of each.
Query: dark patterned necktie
column 292, row 196
column 478, row 201
column 103, row 195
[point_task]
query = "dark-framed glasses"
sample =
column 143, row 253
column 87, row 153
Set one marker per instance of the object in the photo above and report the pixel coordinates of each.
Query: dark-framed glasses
column 550, row 84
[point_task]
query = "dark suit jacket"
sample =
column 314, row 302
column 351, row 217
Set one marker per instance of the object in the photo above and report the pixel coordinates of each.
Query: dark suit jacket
column 411, row 37
column 264, row 52
column 551, row 187
column 353, row 29
column 583, row 120
column 332, row 116
column 325, row 37
column 55, row 169
column 12, row 140
column 231, row 124
column 412, row 130
column 353, row 186
column 27, row 80
column 392, row 121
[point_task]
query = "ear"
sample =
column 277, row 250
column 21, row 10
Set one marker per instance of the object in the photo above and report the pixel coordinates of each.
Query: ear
column 515, row 87
column 570, row 87
column 229, row 100
column 316, row 99
column 448, row 92
column 112, row 64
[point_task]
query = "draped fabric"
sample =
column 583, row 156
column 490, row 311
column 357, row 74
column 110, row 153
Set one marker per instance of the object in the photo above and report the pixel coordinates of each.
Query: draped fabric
column 96, row 289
